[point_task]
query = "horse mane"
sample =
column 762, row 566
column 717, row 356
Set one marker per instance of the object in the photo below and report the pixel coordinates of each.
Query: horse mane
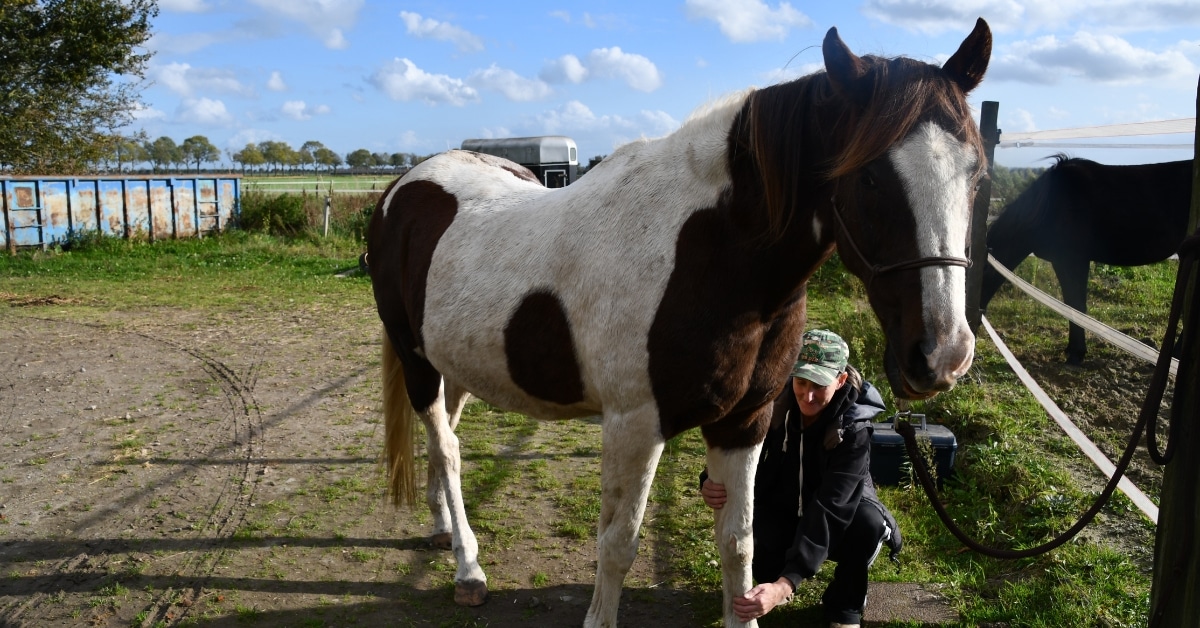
column 786, row 124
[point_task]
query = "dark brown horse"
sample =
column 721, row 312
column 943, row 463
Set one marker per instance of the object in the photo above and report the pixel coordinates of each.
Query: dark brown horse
column 1079, row 212
column 665, row 290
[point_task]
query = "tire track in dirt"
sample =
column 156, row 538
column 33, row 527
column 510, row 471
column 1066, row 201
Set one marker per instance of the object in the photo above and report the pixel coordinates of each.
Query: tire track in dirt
column 232, row 435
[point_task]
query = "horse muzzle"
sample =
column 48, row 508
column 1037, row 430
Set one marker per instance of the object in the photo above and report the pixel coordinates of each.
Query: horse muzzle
column 922, row 375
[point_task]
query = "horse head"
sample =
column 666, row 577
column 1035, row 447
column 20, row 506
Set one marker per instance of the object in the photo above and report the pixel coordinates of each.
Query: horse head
column 903, row 189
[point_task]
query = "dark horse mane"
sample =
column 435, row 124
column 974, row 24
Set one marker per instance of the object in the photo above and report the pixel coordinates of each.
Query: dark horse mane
column 1031, row 205
column 889, row 98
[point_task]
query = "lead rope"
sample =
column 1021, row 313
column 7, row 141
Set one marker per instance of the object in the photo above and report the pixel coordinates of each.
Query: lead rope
column 1149, row 412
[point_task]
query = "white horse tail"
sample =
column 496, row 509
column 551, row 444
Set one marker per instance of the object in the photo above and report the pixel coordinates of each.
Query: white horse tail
column 399, row 426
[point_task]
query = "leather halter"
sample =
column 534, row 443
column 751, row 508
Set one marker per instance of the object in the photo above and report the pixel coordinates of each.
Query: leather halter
column 874, row 270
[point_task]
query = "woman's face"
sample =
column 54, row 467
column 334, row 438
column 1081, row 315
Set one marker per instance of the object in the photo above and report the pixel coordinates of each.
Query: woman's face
column 814, row 398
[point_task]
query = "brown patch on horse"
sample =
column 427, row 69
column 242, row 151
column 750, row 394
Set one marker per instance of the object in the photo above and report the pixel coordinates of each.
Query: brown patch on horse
column 541, row 352
column 400, row 246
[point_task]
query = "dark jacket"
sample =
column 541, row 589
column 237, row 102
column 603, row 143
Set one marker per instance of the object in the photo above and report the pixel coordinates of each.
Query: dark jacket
column 837, row 476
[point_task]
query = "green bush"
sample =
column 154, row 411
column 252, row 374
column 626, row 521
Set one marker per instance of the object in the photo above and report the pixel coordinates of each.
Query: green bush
column 278, row 215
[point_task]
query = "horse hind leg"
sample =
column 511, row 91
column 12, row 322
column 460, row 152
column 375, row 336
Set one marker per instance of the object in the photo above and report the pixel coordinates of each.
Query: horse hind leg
column 435, row 495
column 445, row 496
column 630, row 451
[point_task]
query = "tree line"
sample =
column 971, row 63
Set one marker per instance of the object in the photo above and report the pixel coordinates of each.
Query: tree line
column 272, row 156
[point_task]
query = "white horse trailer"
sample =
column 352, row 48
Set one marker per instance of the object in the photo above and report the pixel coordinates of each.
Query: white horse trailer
column 553, row 158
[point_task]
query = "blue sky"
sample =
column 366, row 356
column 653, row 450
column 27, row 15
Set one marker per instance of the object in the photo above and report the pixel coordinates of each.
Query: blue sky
column 422, row 76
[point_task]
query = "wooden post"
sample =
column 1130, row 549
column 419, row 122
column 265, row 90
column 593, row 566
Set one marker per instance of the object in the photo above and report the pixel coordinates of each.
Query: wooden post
column 979, row 214
column 1175, row 592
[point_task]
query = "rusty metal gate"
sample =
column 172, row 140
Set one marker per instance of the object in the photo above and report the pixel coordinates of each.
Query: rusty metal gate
column 39, row 211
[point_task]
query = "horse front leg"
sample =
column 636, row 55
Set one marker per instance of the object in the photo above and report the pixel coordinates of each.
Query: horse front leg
column 735, row 522
column 435, row 496
column 1073, row 279
column 631, row 446
column 445, row 496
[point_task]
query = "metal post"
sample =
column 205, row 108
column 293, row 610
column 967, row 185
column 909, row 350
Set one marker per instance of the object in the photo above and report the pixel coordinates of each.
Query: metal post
column 327, row 201
column 1173, row 597
column 979, row 214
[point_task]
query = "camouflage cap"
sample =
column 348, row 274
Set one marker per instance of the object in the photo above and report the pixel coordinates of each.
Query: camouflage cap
column 823, row 356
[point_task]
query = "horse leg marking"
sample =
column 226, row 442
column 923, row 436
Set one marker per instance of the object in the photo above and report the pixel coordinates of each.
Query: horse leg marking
column 470, row 583
column 456, row 399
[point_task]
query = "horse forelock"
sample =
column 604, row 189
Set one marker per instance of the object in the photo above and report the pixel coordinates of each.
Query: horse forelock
column 806, row 126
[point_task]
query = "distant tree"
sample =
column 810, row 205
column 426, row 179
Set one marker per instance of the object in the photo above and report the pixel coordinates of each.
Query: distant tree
column 162, row 152
column 249, row 156
column 128, row 150
column 361, row 158
column 308, row 152
column 590, row 164
column 328, row 158
column 278, row 154
column 197, row 150
column 415, row 159
column 399, row 160
column 70, row 77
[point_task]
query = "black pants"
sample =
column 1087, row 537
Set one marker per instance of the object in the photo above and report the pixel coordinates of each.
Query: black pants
column 846, row 595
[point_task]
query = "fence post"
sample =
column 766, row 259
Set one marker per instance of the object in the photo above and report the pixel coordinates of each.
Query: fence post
column 1173, row 598
column 979, row 214
column 327, row 201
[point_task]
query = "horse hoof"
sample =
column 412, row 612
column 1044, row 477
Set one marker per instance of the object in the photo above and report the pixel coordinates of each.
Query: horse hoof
column 442, row 540
column 472, row 593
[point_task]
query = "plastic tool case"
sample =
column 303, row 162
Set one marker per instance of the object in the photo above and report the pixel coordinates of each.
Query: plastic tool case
column 888, row 454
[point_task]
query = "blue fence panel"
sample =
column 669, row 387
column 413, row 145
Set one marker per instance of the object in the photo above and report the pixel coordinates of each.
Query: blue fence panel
column 39, row 211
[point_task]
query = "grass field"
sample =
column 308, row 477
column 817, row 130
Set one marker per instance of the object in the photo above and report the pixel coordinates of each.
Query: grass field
column 317, row 184
column 1014, row 487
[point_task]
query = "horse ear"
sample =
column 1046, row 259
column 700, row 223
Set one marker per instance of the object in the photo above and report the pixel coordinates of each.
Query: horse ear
column 844, row 68
column 967, row 66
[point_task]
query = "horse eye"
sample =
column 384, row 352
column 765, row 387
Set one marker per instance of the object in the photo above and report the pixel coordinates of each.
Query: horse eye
column 868, row 180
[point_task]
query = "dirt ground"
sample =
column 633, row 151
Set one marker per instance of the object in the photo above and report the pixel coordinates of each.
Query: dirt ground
column 146, row 452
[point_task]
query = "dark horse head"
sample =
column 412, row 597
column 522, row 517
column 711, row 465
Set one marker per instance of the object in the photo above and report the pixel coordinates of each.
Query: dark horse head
column 895, row 197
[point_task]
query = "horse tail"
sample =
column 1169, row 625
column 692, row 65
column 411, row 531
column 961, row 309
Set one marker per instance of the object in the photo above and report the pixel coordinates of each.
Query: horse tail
column 399, row 428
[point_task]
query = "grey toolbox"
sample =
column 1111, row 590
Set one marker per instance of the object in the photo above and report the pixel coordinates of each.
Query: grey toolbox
column 888, row 454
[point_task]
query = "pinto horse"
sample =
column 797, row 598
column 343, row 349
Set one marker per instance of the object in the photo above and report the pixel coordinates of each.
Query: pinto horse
column 666, row 290
column 1079, row 212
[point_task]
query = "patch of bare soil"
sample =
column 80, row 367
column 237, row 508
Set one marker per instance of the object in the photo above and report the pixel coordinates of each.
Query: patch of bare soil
column 170, row 467
column 1103, row 397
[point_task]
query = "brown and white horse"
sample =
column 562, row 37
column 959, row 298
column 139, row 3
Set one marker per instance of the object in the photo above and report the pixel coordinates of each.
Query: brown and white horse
column 666, row 289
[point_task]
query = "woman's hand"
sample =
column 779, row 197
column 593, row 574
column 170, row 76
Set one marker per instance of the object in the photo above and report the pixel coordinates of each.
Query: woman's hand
column 713, row 494
column 761, row 599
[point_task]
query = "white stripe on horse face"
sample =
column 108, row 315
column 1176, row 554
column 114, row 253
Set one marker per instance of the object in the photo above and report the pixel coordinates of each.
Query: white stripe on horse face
column 937, row 170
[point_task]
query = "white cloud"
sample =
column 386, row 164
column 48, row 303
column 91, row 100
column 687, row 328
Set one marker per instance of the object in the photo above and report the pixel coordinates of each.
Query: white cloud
column 299, row 110
column 402, row 80
column 514, row 86
column 142, row 113
column 1097, row 58
column 745, row 21
column 938, row 16
column 326, row 19
column 427, row 28
column 276, row 83
column 933, row 17
column 565, row 69
column 184, row 6
column 782, row 75
column 576, row 116
column 635, row 70
column 185, row 80
column 203, row 111
column 239, row 140
column 1021, row 121
column 657, row 122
